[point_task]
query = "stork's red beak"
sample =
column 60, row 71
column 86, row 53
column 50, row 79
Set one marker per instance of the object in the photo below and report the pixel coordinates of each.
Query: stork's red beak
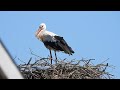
column 37, row 32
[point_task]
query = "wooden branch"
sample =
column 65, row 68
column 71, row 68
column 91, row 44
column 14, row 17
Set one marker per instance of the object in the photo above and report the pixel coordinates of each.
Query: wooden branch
column 63, row 69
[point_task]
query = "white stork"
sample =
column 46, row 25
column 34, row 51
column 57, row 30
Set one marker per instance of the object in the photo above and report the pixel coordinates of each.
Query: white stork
column 52, row 41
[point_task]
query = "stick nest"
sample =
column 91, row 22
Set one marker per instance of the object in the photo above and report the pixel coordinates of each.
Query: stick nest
column 64, row 69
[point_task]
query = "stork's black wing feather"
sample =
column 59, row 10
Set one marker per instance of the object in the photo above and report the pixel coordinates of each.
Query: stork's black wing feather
column 53, row 45
column 63, row 44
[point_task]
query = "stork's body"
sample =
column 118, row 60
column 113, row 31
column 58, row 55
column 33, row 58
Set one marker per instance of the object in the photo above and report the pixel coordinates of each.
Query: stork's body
column 53, row 41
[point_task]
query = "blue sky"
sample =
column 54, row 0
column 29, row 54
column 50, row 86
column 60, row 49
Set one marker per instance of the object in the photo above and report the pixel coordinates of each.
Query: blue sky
column 91, row 34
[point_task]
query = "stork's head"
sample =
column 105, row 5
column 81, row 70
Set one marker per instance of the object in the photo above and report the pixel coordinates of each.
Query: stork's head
column 42, row 26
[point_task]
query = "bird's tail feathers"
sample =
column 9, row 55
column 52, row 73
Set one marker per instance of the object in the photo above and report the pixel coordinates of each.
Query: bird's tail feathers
column 66, row 48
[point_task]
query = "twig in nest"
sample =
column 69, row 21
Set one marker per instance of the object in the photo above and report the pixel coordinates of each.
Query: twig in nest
column 42, row 69
column 34, row 54
column 28, row 64
column 104, row 61
column 105, row 67
column 21, row 61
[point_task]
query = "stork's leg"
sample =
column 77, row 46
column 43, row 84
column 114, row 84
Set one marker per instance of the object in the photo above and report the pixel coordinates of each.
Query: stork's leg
column 55, row 55
column 51, row 56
